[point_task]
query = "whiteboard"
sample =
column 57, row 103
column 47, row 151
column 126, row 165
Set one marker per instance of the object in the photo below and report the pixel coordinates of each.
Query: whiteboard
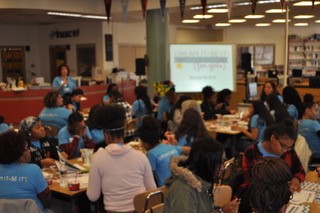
column 194, row 66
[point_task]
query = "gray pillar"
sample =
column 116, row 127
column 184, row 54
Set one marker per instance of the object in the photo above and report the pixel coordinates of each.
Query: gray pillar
column 157, row 47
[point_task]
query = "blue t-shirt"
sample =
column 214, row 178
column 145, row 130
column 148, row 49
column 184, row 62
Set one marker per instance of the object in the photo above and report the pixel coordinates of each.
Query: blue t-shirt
column 105, row 98
column 4, row 127
column 264, row 152
column 280, row 98
column 56, row 116
column 159, row 158
column 139, row 110
column 182, row 141
column 256, row 122
column 65, row 137
column 65, row 89
column 308, row 129
column 97, row 135
column 163, row 106
column 22, row 181
column 293, row 112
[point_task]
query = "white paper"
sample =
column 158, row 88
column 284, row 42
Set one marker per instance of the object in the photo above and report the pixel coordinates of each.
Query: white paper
column 302, row 197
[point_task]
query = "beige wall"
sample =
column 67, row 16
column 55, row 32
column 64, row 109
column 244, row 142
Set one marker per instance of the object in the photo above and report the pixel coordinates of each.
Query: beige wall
column 184, row 35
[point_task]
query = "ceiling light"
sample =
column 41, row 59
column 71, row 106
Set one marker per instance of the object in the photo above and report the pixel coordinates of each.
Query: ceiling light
column 202, row 16
column 305, row 3
column 218, row 10
column 190, row 21
column 263, row 24
column 237, row 20
column 279, row 21
column 303, row 16
column 301, row 24
column 222, row 24
column 276, row 11
column 64, row 14
column 317, row 21
column 254, row 16
column 95, row 17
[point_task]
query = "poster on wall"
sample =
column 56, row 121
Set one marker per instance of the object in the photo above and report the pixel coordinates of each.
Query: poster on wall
column 109, row 47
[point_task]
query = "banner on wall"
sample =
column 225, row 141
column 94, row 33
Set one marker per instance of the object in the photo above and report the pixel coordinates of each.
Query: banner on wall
column 144, row 7
column 163, row 7
column 182, row 7
column 124, row 6
column 204, row 6
column 229, row 7
column 253, row 6
column 107, row 4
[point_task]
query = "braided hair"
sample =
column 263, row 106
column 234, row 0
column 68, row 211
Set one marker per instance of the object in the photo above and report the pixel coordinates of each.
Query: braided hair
column 269, row 190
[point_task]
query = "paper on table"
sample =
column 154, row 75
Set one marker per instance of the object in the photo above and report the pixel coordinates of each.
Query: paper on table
column 297, row 208
column 78, row 166
column 302, row 197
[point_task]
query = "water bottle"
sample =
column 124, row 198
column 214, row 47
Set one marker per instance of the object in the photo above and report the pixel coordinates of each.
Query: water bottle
column 63, row 176
column 317, row 196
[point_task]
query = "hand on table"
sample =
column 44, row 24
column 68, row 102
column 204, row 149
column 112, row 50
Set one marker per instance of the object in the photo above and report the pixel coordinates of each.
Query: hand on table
column 231, row 207
column 295, row 185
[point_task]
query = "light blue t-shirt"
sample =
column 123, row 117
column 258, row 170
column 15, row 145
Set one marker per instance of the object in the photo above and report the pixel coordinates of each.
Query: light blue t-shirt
column 65, row 137
column 139, row 110
column 97, row 135
column 183, row 141
column 256, row 122
column 163, row 106
column 308, row 129
column 65, row 89
column 56, row 116
column 4, row 127
column 293, row 112
column 280, row 98
column 22, row 181
column 264, row 152
column 105, row 98
column 159, row 158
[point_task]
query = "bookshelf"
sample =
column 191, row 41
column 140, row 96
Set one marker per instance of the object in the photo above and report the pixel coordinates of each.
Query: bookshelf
column 12, row 62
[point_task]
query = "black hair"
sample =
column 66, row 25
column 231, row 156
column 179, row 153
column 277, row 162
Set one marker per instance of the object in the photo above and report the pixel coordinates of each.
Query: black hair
column 115, row 95
column 1, row 119
column 308, row 97
column 205, row 159
column 149, row 131
column 263, row 95
column 50, row 100
column 74, row 117
column 261, row 110
column 280, row 130
column 178, row 105
column 222, row 95
column 91, row 123
column 77, row 92
column 111, row 119
column 60, row 68
column 291, row 96
column 280, row 111
column 111, row 87
column 269, row 190
column 307, row 105
column 141, row 93
column 207, row 92
column 192, row 125
column 12, row 146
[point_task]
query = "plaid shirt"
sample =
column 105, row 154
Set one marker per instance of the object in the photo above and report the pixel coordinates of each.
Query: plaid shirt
column 128, row 110
column 252, row 155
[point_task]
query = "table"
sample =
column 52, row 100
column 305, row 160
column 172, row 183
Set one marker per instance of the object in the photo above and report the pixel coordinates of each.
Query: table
column 313, row 177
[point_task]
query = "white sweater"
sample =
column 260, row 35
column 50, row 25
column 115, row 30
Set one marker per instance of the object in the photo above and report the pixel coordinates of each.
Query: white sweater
column 119, row 172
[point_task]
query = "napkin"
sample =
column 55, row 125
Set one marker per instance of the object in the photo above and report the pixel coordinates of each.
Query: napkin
column 302, row 197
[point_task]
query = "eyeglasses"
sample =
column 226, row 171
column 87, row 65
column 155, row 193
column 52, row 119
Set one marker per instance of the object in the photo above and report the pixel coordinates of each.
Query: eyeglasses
column 283, row 145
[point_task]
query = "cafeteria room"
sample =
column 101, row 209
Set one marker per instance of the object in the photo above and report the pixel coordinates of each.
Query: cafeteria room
column 159, row 106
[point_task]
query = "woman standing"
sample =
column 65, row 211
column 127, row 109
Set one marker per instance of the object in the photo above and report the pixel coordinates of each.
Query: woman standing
column 63, row 82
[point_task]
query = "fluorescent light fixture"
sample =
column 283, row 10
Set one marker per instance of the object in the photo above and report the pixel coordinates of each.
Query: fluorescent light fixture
column 219, row 5
column 276, row 11
column 305, row 3
column 190, row 21
column 303, row 16
column 64, row 14
column 254, row 16
column 218, row 10
column 317, row 21
column 202, row 16
column 237, row 20
column 301, row 24
column 222, row 24
column 279, row 21
column 263, row 24
column 77, row 15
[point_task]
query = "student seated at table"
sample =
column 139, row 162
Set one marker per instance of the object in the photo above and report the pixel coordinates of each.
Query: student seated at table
column 278, row 142
column 270, row 87
column 277, row 109
column 192, row 128
column 3, row 126
column 72, row 100
column 43, row 149
column 193, row 178
column 209, row 105
column 54, row 114
column 75, row 136
column 309, row 128
column 118, row 171
column 96, row 132
column 223, row 102
column 142, row 105
column 269, row 190
column 20, row 179
column 106, row 98
column 159, row 154
column 292, row 101
column 175, row 115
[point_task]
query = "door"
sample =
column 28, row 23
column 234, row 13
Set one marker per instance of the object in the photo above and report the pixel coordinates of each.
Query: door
column 58, row 56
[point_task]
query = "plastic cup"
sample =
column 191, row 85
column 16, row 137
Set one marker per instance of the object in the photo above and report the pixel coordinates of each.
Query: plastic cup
column 73, row 186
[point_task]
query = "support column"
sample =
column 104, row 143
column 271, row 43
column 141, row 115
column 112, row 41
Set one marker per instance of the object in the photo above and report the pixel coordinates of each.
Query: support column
column 157, row 47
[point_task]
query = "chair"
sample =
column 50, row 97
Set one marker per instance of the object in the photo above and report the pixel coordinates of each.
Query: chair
column 303, row 151
column 51, row 131
column 222, row 195
column 19, row 205
column 156, row 209
column 148, row 199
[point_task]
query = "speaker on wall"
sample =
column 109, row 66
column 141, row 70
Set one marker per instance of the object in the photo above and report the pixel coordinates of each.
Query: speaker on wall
column 140, row 66
column 246, row 61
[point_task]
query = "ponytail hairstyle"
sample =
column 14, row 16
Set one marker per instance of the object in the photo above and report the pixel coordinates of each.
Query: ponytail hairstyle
column 141, row 93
